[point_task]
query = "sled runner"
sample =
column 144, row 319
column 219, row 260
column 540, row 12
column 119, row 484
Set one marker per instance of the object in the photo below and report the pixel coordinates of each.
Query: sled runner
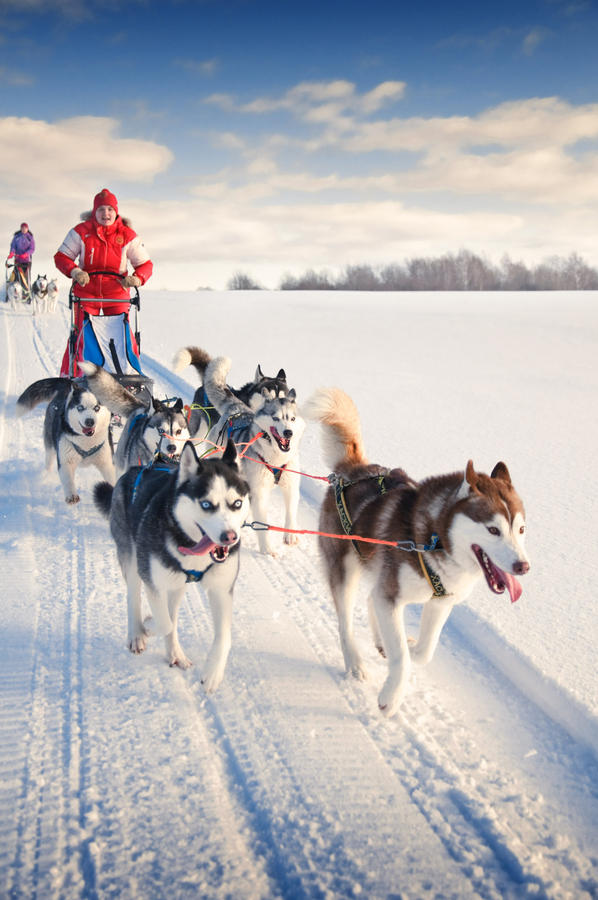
column 17, row 288
column 109, row 342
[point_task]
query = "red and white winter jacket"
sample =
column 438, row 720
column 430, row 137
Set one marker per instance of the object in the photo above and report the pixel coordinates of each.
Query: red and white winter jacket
column 99, row 248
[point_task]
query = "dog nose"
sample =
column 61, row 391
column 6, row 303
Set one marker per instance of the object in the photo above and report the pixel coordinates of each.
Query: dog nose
column 287, row 433
column 171, row 448
column 228, row 537
column 521, row 567
column 90, row 422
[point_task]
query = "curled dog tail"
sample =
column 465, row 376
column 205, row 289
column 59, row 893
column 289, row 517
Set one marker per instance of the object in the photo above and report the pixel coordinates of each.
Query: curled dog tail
column 41, row 392
column 191, row 356
column 341, row 427
column 102, row 497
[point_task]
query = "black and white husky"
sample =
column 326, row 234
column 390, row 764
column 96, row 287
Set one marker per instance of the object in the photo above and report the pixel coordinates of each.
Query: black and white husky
column 171, row 525
column 39, row 294
column 203, row 415
column 76, row 429
column 160, row 430
column 268, row 432
column 445, row 532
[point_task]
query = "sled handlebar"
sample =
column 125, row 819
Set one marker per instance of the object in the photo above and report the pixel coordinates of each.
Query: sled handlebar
column 134, row 300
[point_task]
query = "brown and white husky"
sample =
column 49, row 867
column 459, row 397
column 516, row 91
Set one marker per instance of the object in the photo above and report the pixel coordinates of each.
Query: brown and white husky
column 445, row 532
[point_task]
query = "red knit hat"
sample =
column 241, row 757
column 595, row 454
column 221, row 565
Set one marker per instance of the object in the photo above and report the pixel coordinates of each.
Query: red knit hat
column 105, row 198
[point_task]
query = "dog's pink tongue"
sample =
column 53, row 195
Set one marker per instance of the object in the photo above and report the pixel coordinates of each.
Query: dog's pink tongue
column 202, row 547
column 513, row 586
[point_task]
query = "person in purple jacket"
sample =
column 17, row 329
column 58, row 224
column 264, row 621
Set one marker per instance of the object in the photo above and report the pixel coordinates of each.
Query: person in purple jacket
column 22, row 247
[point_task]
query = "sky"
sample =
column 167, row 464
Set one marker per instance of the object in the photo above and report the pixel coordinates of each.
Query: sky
column 274, row 137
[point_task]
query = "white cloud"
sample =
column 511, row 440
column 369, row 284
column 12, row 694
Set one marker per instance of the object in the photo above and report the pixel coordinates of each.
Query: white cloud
column 534, row 38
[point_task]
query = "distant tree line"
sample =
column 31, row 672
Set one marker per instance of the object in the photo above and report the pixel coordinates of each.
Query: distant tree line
column 463, row 271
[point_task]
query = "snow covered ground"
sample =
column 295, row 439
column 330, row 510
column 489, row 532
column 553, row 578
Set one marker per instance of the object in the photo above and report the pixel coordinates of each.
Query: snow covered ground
column 120, row 778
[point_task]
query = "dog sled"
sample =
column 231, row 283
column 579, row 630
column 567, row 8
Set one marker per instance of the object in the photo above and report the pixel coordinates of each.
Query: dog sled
column 110, row 342
column 17, row 287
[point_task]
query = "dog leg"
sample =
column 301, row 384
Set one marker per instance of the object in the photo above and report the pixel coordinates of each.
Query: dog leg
column 221, row 603
column 392, row 626
column 174, row 651
column 260, row 495
column 137, row 634
column 289, row 484
column 434, row 615
column 67, row 477
column 105, row 466
column 378, row 642
column 344, row 593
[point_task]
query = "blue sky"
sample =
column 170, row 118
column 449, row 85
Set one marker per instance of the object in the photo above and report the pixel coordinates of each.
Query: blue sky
column 274, row 137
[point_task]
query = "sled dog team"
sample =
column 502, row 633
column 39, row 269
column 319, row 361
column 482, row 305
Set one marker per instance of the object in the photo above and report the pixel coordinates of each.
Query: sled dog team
column 176, row 508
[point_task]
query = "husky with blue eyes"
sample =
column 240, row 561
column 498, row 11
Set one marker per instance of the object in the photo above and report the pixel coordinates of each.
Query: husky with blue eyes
column 76, row 429
column 174, row 524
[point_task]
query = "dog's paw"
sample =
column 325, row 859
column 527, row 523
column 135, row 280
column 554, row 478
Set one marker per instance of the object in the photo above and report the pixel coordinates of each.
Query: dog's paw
column 381, row 650
column 389, row 698
column 72, row 499
column 138, row 643
column 180, row 660
column 291, row 538
column 358, row 671
column 212, row 679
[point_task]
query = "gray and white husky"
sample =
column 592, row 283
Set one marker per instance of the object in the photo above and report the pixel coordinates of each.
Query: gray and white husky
column 203, row 415
column 177, row 524
column 458, row 527
column 269, row 432
column 160, row 430
column 76, row 429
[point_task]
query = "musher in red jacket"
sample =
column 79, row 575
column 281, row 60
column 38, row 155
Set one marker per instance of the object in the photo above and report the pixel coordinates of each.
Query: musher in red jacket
column 103, row 241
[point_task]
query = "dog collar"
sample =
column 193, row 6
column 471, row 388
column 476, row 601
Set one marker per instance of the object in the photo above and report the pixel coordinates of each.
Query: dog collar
column 194, row 574
column 86, row 453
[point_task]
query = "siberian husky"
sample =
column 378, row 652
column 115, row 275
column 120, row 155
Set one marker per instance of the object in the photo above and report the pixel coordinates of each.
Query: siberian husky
column 160, row 431
column 175, row 525
column 203, row 415
column 271, row 430
column 39, row 294
column 52, row 300
column 14, row 293
column 76, row 429
column 459, row 526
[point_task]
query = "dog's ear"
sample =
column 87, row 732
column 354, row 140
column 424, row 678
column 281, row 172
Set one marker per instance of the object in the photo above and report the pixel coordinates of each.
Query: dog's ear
column 230, row 454
column 500, row 471
column 282, row 376
column 178, row 406
column 157, row 404
column 258, row 373
column 189, row 464
column 292, row 395
column 469, row 481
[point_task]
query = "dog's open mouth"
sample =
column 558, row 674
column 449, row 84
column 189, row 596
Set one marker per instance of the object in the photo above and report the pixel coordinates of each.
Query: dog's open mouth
column 283, row 443
column 498, row 581
column 88, row 432
column 218, row 552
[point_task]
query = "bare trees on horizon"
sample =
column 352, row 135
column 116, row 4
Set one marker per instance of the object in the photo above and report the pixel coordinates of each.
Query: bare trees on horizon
column 463, row 271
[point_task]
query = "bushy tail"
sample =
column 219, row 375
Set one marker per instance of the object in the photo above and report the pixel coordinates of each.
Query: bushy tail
column 109, row 391
column 341, row 428
column 41, row 392
column 219, row 392
column 191, row 356
column 102, row 497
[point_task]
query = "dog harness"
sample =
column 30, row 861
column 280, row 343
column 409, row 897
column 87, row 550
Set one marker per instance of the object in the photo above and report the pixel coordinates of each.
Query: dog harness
column 86, row 453
column 340, row 484
column 276, row 470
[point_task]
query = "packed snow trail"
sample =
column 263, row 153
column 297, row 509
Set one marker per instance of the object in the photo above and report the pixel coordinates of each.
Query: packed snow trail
column 120, row 778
